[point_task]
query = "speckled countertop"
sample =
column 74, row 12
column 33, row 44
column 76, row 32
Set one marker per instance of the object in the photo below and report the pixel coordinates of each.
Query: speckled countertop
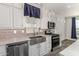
column 11, row 38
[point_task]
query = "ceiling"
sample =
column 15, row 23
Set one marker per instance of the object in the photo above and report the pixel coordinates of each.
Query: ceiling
column 66, row 9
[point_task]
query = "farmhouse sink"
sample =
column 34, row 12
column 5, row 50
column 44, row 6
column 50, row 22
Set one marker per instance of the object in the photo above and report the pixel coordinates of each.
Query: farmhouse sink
column 37, row 39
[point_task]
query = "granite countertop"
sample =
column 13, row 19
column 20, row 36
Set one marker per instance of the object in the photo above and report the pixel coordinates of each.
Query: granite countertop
column 7, row 39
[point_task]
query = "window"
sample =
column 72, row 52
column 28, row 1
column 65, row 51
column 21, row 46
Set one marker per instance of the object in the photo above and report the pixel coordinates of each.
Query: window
column 77, row 26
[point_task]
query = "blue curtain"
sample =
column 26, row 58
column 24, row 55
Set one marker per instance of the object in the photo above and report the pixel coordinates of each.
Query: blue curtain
column 31, row 11
column 73, row 32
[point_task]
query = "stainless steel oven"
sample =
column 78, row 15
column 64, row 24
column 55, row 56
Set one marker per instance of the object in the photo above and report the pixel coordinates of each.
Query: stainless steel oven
column 55, row 41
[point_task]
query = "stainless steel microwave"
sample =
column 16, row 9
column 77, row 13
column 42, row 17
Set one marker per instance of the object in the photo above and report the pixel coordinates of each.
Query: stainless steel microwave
column 51, row 25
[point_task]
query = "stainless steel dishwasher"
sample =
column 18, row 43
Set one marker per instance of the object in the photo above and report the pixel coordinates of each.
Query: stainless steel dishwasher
column 17, row 49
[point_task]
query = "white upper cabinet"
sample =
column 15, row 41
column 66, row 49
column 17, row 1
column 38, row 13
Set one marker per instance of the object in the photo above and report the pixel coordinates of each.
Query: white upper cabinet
column 11, row 15
column 18, row 5
column 17, row 18
column 5, row 16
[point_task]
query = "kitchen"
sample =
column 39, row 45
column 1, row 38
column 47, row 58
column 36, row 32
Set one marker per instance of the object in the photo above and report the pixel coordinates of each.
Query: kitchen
column 33, row 29
column 22, row 34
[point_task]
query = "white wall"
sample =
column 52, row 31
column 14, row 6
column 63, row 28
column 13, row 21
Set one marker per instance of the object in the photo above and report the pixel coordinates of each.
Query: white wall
column 46, row 15
column 71, row 12
column 68, row 25
column 59, row 20
column 60, row 27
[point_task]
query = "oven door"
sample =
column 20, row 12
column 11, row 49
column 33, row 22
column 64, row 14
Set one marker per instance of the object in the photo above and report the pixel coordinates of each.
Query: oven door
column 55, row 42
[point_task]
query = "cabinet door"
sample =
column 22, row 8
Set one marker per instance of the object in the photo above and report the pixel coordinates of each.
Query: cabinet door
column 18, row 18
column 43, row 48
column 15, row 5
column 5, row 16
column 34, row 50
column 48, row 43
column 18, row 5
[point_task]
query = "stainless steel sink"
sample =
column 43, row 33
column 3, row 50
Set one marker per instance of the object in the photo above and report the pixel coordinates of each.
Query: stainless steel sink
column 37, row 39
